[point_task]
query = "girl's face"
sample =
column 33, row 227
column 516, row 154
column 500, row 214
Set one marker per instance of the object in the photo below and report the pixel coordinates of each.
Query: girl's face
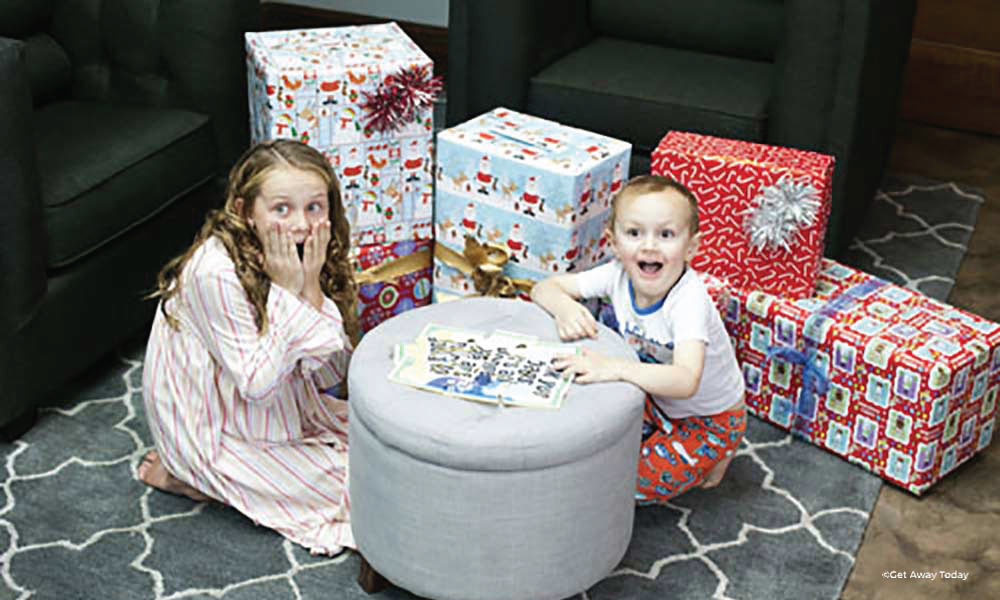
column 293, row 199
column 652, row 239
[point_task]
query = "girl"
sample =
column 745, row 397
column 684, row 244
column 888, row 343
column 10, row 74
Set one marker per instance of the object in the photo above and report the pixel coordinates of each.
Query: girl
column 694, row 417
column 255, row 322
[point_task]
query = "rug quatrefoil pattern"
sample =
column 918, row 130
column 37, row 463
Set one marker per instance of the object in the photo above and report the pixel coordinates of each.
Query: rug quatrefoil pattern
column 785, row 523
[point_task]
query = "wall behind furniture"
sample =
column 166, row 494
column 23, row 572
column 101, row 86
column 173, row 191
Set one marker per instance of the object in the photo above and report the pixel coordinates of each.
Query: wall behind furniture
column 424, row 12
column 953, row 75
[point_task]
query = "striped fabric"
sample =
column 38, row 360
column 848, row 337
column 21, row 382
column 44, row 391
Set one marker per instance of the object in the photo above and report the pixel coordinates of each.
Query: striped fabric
column 239, row 416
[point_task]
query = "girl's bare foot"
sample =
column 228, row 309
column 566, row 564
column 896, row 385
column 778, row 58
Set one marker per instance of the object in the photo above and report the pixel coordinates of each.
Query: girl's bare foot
column 715, row 476
column 152, row 472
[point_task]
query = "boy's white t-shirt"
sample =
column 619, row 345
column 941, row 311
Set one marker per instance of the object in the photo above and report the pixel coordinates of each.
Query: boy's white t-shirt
column 687, row 312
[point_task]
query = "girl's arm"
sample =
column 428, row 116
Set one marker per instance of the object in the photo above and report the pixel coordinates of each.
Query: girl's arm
column 258, row 363
column 678, row 380
column 558, row 296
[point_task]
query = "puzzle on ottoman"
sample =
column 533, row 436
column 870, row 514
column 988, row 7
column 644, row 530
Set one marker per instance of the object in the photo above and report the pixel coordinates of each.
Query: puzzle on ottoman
column 538, row 188
column 310, row 84
column 896, row 382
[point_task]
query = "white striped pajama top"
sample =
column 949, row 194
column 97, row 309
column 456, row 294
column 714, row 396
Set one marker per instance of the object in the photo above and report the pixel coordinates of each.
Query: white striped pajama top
column 240, row 416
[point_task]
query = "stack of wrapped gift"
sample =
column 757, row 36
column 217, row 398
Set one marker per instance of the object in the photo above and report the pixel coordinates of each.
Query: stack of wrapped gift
column 898, row 383
column 520, row 196
column 321, row 86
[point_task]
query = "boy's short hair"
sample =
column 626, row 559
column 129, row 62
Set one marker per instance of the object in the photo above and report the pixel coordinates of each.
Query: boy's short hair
column 647, row 184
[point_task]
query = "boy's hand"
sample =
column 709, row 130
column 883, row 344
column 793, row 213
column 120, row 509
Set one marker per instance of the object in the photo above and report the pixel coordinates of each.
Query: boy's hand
column 589, row 367
column 281, row 260
column 575, row 322
column 313, row 259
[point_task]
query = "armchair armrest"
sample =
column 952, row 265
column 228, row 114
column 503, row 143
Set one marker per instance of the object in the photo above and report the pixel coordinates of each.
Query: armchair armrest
column 840, row 73
column 202, row 43
column 22, row 235
column 496, row 46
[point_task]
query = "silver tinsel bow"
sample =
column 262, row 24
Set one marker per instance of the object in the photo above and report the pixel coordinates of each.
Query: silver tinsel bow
column 781, row 211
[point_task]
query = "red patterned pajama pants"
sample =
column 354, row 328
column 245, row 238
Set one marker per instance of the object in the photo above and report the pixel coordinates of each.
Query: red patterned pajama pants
column 677, row 454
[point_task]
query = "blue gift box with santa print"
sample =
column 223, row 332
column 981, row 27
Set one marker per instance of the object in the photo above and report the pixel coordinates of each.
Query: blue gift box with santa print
column 537, row 188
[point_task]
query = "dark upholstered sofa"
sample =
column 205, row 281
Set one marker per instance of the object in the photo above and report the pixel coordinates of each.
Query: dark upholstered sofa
column 117, row 119
column 821, row 75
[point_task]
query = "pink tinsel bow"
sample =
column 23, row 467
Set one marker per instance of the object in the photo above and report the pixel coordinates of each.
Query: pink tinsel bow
column 399, row 97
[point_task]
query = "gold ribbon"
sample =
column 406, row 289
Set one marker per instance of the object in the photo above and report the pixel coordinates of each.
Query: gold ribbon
column 390, row 270
column 484, row 262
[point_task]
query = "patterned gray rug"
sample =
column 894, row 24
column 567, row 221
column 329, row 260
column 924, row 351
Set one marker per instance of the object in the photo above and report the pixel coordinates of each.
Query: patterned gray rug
column 786, row 522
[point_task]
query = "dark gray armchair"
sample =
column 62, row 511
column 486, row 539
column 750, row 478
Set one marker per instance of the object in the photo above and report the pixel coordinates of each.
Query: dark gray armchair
column 817, row 75
column 117, row 119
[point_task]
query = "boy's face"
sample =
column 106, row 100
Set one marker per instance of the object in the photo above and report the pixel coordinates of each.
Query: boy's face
column 294, row 199
column 652, row 238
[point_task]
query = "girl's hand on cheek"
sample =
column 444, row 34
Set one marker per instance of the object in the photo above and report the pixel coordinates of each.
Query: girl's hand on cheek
column 313, row 259
column 314, row 253
column 281, row 259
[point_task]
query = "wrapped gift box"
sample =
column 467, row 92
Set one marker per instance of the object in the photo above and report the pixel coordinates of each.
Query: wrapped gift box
column 896, row 382
column 310, row 84
column 537, row 188
column 763, row 209
column 392, row 277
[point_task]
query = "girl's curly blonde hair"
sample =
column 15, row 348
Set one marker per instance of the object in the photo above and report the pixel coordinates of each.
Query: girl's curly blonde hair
column 231, row 226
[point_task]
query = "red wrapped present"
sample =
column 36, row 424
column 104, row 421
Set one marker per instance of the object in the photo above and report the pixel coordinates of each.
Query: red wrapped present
column 763, row 209
column 896, row 382
column 392, row 278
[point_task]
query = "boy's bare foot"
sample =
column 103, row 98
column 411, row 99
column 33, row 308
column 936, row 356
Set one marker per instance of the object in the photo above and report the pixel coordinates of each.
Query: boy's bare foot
column 152, row 472
column 715, row 476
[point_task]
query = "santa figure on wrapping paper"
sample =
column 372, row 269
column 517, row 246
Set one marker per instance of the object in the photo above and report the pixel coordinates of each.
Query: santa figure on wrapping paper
column 484, row 179
column 353, row 169
column 616, row 179
column 413, row 161
column 530, row 198
column 469, row 223
column 515, row 243
column 573, row 251
column 586, row 194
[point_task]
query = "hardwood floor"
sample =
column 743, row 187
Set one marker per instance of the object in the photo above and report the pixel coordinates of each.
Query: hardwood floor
column 955, row 526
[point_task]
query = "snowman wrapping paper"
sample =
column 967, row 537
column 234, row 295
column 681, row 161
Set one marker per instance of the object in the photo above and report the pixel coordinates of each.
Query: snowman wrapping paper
column 311, row 85
column 538, row 189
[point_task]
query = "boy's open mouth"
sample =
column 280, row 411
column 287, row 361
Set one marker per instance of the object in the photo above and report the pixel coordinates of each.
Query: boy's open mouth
column 650, row 268
column 301, row 248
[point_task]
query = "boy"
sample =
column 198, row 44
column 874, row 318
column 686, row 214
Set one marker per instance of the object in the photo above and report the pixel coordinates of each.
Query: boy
column 694, row 417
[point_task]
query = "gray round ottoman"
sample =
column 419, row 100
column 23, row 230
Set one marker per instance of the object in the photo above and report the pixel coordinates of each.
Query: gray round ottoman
column 452, row 499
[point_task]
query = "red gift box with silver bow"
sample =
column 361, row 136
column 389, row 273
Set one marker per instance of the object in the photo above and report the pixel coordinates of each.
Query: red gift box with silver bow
column 762, row 209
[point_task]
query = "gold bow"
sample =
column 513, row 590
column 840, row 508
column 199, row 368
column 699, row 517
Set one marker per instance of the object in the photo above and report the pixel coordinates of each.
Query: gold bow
column 484, row 263
column 391, row 270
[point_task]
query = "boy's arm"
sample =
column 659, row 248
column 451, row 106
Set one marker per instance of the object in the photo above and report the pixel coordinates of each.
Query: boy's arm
column 557, row 295
column 679, row 380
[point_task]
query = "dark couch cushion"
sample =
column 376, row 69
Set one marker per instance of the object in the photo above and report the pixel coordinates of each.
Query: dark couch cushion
column 105, row 168
column 22, row 16
column 637, row 92
column 739, row 28
column 49, row 70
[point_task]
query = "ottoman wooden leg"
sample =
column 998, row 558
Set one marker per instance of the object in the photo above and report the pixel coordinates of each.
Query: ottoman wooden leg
column 369, row 579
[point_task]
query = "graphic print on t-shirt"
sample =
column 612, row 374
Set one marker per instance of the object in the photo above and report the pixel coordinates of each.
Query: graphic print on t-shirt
column 650, row 350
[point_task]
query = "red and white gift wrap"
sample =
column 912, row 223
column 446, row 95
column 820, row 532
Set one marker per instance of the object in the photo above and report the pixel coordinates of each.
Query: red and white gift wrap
column 911, row 383
column 763, row 210
column 395, row 277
